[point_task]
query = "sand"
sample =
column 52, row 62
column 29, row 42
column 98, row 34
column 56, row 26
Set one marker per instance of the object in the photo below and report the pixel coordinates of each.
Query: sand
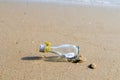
column 24, row 26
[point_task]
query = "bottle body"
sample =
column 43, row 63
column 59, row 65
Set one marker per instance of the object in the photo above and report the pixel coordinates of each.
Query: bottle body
column 67, row 50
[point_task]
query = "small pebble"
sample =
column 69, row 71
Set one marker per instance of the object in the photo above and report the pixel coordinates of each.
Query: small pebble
column 92, row 66
column 16, row 42
column 33, row 42
column 82, row 59
column 43, row 56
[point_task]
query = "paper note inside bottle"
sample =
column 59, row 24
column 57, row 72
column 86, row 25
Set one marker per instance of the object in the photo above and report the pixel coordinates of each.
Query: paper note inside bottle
column 69, row 55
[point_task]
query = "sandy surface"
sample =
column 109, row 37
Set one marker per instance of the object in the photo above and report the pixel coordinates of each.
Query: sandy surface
column 23, row 27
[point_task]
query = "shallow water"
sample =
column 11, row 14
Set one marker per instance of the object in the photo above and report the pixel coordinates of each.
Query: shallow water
column 81, row 2
column 88, row 2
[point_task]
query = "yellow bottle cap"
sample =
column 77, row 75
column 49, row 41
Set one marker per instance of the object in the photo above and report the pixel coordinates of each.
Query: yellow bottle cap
column 48, row 45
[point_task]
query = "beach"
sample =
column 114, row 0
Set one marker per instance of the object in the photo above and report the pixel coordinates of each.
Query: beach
column 24, row 26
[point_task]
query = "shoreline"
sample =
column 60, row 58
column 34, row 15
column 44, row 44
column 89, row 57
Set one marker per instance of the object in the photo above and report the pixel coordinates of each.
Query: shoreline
column 67, row 3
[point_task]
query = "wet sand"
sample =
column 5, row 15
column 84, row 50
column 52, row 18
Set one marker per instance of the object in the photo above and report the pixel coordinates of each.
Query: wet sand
column 24, row 26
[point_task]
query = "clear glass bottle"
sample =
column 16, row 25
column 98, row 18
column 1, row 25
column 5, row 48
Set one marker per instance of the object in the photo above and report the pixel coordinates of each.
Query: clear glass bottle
column 68, row 51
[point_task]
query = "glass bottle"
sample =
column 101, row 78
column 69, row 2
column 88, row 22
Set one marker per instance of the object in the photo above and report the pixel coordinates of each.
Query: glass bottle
column 68, row 51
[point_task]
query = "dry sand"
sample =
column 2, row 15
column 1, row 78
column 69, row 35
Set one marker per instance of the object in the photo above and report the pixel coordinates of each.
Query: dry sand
column 23, row 27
